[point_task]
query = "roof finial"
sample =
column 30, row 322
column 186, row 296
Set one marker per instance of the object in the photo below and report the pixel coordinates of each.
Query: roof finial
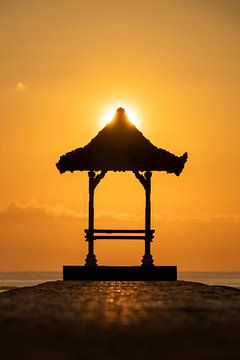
column 121, row 116
column 120, row 109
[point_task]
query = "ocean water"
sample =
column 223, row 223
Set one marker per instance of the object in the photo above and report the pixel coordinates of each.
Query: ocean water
column 212, row 278
column 10, row 280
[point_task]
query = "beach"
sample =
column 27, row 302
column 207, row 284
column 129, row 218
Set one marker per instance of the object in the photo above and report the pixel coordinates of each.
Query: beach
column 115, row 320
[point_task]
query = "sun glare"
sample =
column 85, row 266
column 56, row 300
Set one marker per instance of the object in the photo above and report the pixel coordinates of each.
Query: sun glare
column 109, row 113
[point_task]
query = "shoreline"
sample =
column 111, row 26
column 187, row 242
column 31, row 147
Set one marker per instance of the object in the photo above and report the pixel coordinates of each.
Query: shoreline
column 23, row 278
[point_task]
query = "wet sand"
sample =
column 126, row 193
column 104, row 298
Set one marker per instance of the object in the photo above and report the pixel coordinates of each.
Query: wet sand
column 120, row 320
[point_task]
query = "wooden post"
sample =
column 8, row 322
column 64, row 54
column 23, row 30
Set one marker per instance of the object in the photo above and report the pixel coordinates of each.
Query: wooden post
column 93, row 182
column 147, row 257
column 145, row 180
column 91, row 258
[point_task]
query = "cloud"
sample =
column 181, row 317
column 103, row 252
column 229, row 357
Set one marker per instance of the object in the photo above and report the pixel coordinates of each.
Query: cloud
column 33, row 212
column 36, row 213
column 21, row 87
column 201, row 218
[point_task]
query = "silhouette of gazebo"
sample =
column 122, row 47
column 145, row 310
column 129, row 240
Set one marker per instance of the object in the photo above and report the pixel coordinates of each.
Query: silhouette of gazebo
column 120, row 146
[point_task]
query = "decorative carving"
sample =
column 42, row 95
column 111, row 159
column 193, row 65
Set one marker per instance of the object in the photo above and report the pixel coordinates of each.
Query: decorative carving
column 95, row 178
column 143, row 178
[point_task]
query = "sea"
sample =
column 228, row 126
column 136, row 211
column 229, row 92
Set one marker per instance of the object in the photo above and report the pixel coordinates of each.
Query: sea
column 12, row 280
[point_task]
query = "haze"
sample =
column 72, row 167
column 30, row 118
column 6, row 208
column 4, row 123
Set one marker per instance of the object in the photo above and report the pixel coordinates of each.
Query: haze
column 62, row 64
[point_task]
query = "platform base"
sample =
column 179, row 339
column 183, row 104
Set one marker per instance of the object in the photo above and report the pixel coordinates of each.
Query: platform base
column 120, row 273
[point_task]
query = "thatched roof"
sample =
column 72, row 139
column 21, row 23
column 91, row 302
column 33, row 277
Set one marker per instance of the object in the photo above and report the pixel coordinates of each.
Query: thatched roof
column 120, row 146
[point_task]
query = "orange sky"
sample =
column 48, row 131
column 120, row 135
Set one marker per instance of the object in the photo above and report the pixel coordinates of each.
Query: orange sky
column 63, row 62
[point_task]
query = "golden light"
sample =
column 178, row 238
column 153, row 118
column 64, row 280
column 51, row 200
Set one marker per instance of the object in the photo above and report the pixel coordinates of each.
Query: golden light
column 109, row 113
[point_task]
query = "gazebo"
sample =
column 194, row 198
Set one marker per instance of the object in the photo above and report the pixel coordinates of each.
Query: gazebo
column 120, row 146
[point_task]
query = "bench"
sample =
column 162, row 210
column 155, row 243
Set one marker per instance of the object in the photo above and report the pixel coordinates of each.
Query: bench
column 96, row 234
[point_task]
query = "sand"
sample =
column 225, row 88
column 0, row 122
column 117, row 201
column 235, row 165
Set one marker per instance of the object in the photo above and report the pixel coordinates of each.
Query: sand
column 120, row 320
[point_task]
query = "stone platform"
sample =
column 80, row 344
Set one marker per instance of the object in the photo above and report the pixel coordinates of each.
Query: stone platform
column 104, row 320
column 120, row 273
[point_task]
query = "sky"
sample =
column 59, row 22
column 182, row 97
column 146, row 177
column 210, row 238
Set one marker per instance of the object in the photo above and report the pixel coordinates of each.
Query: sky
column 62, row 64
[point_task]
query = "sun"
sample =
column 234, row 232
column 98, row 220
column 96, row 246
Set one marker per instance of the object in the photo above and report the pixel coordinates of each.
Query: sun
column 109, row 113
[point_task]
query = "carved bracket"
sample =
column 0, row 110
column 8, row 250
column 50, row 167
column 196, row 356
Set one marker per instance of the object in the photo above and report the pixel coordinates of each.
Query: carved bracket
column 143, row 178
column 95, row 178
